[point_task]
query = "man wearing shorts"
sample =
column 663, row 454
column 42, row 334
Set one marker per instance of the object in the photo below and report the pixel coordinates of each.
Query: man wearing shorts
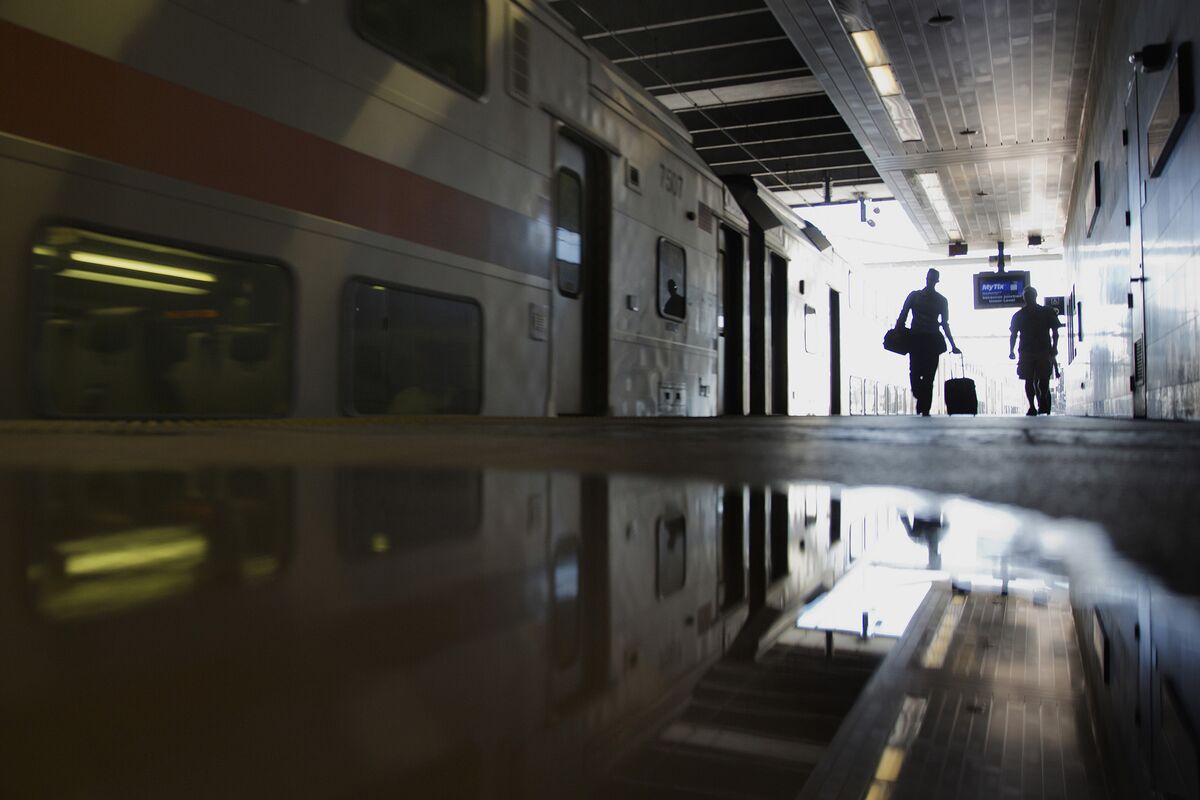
column 1037, row 326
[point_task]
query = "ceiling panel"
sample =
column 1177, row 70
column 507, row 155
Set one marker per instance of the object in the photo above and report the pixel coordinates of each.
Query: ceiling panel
column 997, row 94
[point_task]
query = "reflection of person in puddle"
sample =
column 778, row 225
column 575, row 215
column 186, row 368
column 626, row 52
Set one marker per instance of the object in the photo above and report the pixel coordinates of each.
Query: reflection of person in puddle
column 927, row 529
column 675, row 305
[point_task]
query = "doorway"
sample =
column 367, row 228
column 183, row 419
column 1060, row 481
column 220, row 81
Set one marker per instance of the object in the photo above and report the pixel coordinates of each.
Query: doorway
column 579, row 295
column 835, row 353
column 779, row 335
column 731, row 322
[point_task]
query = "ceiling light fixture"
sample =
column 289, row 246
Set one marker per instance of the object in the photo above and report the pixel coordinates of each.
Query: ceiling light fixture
column 870, row 49
column 874, row 58
column 968, row 132
column 939, row 19
column 932, row 184
column 884, row 80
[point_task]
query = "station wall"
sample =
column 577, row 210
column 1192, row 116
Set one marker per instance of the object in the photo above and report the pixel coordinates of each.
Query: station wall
column 1102, row 261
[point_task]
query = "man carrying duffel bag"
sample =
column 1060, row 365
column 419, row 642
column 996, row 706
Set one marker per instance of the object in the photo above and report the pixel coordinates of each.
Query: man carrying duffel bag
column 931, row 316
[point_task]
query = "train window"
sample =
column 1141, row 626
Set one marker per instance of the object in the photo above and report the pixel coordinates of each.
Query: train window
column 568, row 232
column 410, row 352
column 672, row 280
column 447, row 40
column 126, row 328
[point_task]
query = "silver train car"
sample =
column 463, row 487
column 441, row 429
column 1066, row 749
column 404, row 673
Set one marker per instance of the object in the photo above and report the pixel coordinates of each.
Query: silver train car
column 288, row 209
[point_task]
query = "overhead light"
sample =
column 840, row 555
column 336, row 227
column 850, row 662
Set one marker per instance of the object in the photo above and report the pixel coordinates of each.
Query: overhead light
column 884, row 80
column 908, row 129
column 136, row 283
column 939, row 19
column 870, row 49
column 932, row 185
column 874, row 58
column 142, row 266
column 167, row 547
column 981, row 193
column 903, row 117
column 968, row 132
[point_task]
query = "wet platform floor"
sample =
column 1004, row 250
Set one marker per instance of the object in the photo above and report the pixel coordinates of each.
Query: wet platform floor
column 548, row 608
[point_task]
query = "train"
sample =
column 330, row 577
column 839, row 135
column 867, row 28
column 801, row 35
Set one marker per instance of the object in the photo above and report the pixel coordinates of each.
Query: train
column 296, row 209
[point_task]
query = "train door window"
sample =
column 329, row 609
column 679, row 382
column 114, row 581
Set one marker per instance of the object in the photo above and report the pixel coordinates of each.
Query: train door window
column 411, row 352
column 447, row 40
column 672, row 555
column 127, row 328
column 672, row 280
column 568, row 233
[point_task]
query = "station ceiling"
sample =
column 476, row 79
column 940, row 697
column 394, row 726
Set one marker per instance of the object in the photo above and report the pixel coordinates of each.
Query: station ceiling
column 982, row 105
column 734, row 78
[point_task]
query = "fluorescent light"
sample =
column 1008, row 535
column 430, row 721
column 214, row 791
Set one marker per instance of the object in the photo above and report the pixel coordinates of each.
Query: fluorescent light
column 884, row 80
column 908, row 130
column 137, row 283
column 870, row 49
column 903, row 117
column 135, row 549
column 932, row 185
column 142, row 266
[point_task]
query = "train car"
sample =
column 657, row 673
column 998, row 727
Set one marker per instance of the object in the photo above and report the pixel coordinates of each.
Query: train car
column 248, row 209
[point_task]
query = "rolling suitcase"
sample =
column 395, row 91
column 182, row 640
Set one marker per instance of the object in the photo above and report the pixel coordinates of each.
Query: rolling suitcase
column 960, row 393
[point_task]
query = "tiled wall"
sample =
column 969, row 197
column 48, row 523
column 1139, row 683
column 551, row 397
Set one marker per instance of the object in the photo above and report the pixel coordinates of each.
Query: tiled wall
column 1098, row 378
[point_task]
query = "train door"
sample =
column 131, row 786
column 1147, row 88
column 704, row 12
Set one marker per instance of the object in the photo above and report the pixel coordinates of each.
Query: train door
column 835, row 353
column 758, row 320
column 1137, row 265
column 732, row 322
column 779, row 335
column 579, row 304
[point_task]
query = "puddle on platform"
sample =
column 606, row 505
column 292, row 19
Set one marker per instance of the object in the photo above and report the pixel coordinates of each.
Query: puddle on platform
column 461, row 632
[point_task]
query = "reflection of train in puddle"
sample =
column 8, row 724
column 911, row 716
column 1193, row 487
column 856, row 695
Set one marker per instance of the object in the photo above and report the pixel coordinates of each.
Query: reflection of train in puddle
column 452, row 633
column 363, row 628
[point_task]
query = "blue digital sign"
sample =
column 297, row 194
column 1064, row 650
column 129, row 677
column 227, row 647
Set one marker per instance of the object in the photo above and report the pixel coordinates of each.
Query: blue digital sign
column 1000, row 289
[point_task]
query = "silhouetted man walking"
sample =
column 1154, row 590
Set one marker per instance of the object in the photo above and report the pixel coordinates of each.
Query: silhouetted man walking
column 931, row 316
column 1036, row 325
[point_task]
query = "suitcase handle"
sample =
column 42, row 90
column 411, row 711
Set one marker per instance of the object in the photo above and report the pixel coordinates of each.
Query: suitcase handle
column 962, row 363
